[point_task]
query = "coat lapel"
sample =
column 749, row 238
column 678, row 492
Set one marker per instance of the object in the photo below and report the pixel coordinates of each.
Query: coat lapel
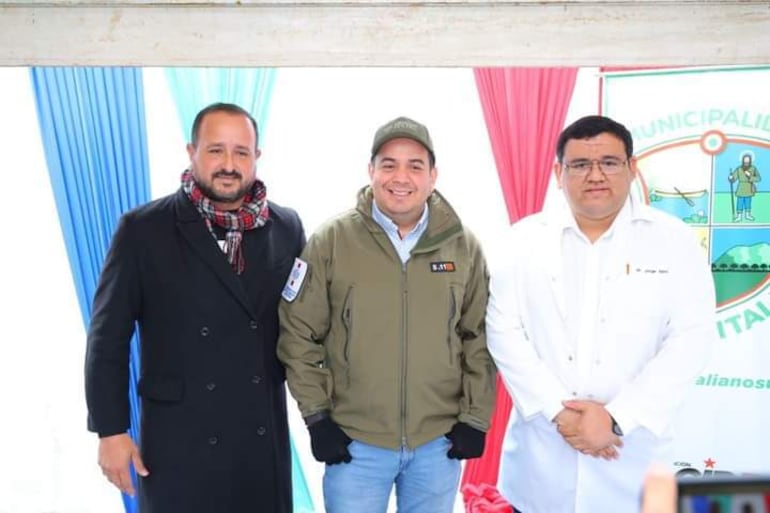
column 257, row 251
column 194, row 230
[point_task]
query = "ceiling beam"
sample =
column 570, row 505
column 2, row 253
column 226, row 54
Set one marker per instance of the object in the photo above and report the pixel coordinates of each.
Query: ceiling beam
column 384, row 33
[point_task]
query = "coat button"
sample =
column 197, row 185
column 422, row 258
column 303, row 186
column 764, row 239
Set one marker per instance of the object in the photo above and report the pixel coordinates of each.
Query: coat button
column 261, row 430
column 256, row 380
column 204, row 331
column 253, row 324
column 211, row 386
column 213, row 440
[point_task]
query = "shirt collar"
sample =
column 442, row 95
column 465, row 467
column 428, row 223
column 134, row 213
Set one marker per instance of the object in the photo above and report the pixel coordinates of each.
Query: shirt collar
column 631, row 210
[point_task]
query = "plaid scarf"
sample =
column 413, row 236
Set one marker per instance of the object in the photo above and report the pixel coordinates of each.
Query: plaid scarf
column 253, row 213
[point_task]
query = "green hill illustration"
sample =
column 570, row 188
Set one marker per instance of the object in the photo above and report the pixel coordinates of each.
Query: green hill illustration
column 740, row 269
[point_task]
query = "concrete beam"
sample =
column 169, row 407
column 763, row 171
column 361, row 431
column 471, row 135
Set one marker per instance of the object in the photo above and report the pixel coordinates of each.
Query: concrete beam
column 384, row 33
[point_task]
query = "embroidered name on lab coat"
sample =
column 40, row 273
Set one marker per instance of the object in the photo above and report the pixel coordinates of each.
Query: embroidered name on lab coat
column 650, row 270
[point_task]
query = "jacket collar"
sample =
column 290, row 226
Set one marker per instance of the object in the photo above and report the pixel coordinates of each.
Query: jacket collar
column 443, row 221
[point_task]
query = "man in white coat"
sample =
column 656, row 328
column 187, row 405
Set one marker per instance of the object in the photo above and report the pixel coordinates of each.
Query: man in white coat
column 600, row 317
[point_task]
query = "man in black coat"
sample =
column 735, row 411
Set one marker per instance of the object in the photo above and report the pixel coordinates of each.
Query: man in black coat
column 200, row 272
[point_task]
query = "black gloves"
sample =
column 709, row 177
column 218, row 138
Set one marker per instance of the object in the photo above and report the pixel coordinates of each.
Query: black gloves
column 329, row 442
column 467, row 442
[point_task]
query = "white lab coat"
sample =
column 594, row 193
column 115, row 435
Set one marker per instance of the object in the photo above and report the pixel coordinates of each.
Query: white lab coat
column 655, row 328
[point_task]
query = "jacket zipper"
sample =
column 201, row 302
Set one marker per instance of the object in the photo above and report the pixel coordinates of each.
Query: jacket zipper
column 452, row 310
column 403, row 352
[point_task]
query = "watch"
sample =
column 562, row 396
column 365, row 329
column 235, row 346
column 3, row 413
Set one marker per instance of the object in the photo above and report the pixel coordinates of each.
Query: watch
column 615, row 427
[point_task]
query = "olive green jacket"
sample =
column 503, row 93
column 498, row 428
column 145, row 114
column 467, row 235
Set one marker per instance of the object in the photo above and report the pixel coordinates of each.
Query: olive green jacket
column 396, row 353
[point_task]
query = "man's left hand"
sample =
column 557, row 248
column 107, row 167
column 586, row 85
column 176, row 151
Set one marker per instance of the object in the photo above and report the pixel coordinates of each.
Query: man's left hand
column 593, row 432
column 467, row 442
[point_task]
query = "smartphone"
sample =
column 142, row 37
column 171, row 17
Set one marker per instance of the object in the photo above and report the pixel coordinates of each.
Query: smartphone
column 724, row 494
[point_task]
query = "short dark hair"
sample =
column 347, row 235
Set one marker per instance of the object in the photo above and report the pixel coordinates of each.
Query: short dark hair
column 591, row 126
column 230, row 108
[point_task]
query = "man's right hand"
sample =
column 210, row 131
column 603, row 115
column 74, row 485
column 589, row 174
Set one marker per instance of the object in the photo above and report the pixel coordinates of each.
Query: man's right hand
column 329, row 443
column 116, row 452
column 567, row 423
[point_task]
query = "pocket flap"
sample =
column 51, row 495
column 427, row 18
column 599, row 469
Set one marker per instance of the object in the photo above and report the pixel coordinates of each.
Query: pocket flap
column 161, row 388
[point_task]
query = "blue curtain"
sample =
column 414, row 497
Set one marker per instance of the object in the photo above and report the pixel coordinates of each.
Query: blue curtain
column 250, row 88
column 195, row 88
column 93, row 129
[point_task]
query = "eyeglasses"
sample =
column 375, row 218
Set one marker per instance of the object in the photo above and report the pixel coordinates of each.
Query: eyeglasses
column 608, row 166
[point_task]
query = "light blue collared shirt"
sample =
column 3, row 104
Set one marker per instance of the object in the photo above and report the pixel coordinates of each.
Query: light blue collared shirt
column 403, row 246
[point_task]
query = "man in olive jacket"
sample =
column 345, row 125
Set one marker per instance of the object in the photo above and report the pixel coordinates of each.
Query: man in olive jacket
column 383, row 338
column 201, row 273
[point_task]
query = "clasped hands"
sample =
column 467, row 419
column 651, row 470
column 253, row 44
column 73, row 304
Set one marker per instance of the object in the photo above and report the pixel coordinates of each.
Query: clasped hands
column 587, row 427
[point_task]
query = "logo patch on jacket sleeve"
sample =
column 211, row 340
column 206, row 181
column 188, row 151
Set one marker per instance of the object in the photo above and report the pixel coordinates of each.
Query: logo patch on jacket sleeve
column 442, row 267
column 295, row 280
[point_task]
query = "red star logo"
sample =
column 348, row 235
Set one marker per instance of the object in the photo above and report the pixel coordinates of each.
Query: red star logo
column 709, row 463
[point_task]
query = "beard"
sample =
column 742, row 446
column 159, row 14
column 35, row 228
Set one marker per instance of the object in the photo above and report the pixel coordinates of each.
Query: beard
column 209, row 188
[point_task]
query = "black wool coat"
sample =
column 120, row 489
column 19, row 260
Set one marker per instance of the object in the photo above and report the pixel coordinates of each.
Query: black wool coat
column 214, row 433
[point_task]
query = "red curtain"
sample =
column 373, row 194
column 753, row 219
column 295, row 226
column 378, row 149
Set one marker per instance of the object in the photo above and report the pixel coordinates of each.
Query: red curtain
column 524, row 109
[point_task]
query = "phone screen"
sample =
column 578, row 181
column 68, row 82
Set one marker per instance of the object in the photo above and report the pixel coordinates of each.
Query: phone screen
column 750, row 494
